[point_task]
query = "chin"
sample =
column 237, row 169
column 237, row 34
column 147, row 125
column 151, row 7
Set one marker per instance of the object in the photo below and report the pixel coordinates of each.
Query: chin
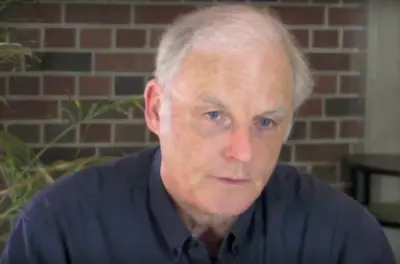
column 229, row 205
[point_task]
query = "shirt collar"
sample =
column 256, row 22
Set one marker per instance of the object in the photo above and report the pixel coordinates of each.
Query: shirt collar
column 172, row 227
column 241, row 229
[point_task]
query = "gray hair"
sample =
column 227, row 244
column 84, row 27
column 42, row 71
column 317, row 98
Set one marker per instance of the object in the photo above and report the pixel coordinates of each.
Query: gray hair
column 232, row 24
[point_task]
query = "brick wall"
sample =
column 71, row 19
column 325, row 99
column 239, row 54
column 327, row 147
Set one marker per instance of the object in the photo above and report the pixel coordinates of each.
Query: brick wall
column 99, row 52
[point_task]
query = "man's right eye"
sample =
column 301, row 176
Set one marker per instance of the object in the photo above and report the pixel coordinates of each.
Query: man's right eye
column 215, row 115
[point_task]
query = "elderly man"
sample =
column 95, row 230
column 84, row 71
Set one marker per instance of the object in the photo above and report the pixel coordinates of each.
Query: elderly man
column 228, row 80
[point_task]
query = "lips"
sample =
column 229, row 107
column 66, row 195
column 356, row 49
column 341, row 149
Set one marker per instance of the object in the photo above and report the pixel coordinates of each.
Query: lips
column 232, row 181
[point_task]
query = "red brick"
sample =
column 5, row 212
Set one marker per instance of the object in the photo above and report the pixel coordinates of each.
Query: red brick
column 95, row 133
column 323, row 130
column 299, row 130
column 23, row 85
column 29, row 109
column 58, row 85
column 160, row 14
column 94, row 85
column 330, row 61
column 325, row 84
column 130, row 38
column 97, row 13
column 326, row 152
column 85, row 105
column 33, row 12
column 130, row 133
column 28, row 37
column 155, row 37
column 343, row 16
column 125, row 62
column 344, row 107
column 300, row 15
column 312, row 107
column 355, row 39
column 285, row 155
column 95, row 38
column 326, row 39
column 301, row 37
column 352, row 84
column 59, row 37
column 52, row 132
column 351, row 129
column 63, row 61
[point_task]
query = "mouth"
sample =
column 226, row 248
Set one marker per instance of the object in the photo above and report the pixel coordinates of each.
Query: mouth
column 233, row 182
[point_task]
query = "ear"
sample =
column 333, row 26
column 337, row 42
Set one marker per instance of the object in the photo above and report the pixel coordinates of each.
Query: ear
column 152, row 99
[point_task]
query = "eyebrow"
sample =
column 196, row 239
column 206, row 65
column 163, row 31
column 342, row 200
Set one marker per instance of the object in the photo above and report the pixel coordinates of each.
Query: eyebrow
column 278, row 111
column 212, row 100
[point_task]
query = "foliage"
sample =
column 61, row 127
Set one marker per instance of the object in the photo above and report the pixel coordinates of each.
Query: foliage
column 11, row 53
column 22, row 172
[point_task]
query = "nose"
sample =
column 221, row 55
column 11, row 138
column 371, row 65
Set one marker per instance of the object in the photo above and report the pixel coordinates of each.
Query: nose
column 240, row 145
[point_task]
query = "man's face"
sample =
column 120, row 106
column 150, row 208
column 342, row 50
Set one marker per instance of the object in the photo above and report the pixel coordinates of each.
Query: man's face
column 229, row 115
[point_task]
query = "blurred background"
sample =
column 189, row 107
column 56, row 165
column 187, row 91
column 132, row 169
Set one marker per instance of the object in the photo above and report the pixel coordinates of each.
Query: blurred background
column 72, row 75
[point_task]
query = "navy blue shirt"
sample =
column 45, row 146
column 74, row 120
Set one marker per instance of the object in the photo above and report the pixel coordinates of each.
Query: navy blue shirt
column 119, row 212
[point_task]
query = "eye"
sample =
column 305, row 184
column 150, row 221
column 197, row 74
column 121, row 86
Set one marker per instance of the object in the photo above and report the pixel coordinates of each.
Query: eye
column 213, row 115
column 265, row 122
column 218, row 118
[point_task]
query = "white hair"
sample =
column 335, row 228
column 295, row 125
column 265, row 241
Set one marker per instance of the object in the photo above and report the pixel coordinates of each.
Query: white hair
column 232, row 26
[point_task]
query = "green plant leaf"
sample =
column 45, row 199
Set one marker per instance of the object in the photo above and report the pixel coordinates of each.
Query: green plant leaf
column 14, row 148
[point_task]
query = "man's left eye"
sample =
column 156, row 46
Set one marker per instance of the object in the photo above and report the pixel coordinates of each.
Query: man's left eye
column 265, row 122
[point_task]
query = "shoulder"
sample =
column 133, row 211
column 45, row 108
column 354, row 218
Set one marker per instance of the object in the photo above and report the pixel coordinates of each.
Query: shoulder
column 324, row 219
column 324, row 205
column 299, row 186
column 92, row 183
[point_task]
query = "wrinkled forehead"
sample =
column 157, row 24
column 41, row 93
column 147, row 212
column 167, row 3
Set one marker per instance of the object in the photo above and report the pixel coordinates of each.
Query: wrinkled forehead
column 251, row 71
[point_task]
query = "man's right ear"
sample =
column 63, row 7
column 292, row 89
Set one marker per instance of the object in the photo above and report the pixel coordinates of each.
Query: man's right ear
column 152, row 99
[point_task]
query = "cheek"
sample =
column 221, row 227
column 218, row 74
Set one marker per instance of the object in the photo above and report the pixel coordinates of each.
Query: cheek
column 265, row 157
column 188, row 149
column 189, row 136
column 270, row 150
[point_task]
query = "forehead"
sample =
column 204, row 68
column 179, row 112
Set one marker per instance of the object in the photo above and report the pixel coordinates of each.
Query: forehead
column 257, row 72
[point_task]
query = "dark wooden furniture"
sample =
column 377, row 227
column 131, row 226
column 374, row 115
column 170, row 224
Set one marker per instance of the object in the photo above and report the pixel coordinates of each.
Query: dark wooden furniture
column 360, row 168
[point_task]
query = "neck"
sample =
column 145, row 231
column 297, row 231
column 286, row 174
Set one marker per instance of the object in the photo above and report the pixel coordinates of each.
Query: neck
column 196, row 220
column 199, row 222
column 210, row 229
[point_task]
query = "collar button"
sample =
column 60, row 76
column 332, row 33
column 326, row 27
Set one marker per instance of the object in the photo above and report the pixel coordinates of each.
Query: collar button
column 194, row 244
